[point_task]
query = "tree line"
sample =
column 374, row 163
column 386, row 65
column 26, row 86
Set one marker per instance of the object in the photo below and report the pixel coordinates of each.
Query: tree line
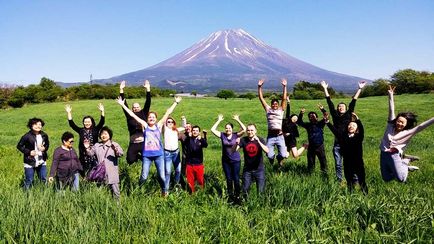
column 406, row 81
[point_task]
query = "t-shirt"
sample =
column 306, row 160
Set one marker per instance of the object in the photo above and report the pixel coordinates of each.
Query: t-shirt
column 252, row 153
column 227, row 144
column 152, row 146
column 274, row 118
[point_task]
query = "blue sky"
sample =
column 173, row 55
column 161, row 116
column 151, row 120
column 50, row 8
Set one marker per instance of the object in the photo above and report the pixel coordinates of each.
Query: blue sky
column 69, row 40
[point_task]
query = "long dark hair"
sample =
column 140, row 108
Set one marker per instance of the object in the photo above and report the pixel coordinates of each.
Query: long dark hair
column 409, row 116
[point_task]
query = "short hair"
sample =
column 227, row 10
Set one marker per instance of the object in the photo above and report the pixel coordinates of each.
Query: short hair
column 252, row 124
column 312, row 112
column 91, row 119
column 410, row 117
column 33, row 121
column 108, row 130
column 274, row 100
column 195, row 126
column 66, row 136
column 341, row 103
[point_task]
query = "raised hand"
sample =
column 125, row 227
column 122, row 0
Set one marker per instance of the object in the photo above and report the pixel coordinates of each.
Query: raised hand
column 302, row 110
column 326, row 117
column 284, row 82
column 120, row 101
column 261, row 82
column 324, row 84
column 362, row 84
column 220, row 117
column 354, row 115
column 147, row 85
column 101, row 107
column 391, row 89
column 122, row 85
column 320, row 106
column 236, row 117
column 68, row 108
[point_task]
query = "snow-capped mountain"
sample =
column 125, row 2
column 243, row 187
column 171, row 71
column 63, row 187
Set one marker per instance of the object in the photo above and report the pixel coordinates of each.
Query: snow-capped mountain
column 232, row 59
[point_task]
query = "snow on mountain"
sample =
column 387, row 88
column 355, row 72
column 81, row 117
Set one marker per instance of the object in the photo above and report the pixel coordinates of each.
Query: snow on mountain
column 231, row 58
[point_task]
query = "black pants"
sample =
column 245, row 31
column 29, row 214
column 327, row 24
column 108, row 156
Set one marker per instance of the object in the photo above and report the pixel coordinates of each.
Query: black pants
column 318, row 151
column 352, row 168
column 134, row 152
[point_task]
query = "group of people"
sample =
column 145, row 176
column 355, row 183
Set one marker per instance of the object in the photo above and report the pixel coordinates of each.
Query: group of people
column 157, row 141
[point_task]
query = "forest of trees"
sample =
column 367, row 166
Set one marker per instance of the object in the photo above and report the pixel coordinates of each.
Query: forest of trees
column 406, row 81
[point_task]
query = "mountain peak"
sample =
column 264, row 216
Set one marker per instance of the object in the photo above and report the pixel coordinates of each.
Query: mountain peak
column 232, row 58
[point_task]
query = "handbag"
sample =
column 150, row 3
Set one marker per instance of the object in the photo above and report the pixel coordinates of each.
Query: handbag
column 97, row 173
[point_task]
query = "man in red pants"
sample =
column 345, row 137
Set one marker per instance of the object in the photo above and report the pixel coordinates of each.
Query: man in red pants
column 194, row 157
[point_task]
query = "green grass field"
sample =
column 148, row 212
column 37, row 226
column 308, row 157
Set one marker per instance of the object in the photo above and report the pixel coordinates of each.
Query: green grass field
column 296, row 207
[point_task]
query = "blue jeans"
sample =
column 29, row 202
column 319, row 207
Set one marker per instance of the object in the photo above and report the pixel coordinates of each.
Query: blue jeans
column 232, row 173
column 258, row 176
column 338, row 160
column 29, row 174
column 74, row 186
column 278, row 141
column 159, row 164
column 169, row 159
column 393, row 167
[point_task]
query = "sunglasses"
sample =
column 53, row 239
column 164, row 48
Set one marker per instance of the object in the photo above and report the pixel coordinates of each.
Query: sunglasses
column 71, row 141
column 170, row 122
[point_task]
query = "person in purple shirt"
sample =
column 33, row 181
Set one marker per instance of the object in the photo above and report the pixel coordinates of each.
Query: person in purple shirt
column 65, row 166
column 231, row 160
column 153, row 150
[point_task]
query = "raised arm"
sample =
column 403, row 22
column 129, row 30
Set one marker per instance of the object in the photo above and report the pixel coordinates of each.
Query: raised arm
column 122, row 104
column 236, row 117
column 147, row 105
column 183, row 121
column 391, row 103
column 71, row 123
column 362, row 84
column 121, row 92
column 300, row 121
column 288, row 108
column 260, row 95
column 168, row 112
column 325, row 86
column 214, row 127
column 411, row 132
column 102, row 119
column 285, row 93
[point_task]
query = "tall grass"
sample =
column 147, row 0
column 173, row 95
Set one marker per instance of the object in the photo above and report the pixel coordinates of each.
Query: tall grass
column 295, row 207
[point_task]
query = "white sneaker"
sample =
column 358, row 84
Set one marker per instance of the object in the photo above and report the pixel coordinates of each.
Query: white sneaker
column 411, row 157
column 413, row 168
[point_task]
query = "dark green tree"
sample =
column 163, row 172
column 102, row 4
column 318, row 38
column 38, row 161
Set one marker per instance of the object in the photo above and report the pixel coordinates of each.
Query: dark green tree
column 226, row 94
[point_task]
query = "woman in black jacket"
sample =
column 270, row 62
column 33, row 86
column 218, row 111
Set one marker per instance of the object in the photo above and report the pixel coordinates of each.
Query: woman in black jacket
column 34, row 145
column 351, row 142
column 89, row 132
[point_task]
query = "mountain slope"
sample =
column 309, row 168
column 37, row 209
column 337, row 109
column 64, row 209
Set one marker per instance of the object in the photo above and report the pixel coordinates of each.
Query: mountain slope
column 234, row 59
